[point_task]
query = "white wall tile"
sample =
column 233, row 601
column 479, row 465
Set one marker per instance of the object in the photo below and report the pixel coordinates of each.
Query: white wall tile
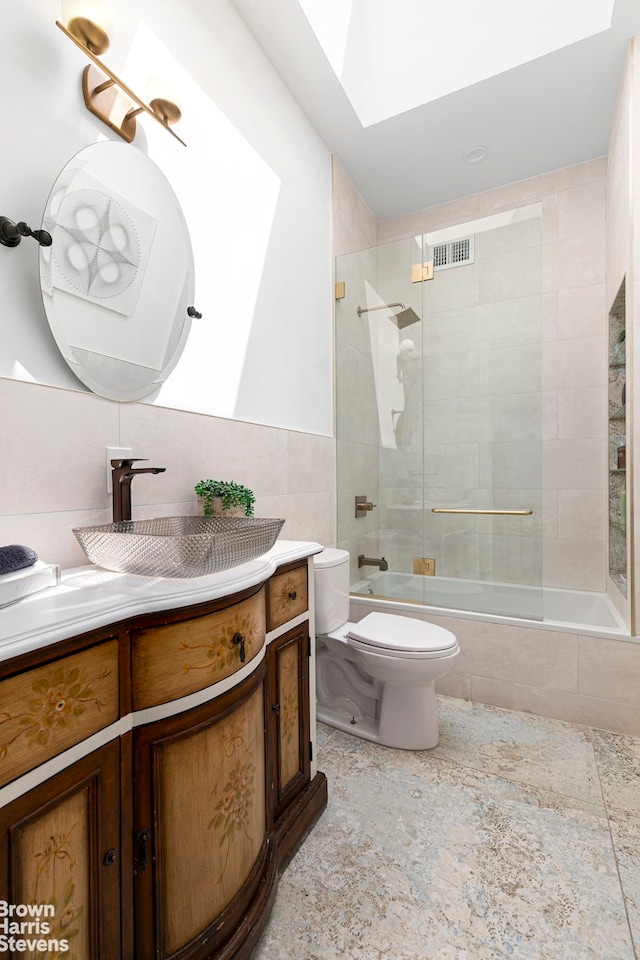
column 550, row 415
column 194, row 448
column 609, row 670
column 311, row 463
column 574, row 564
column 574, row 364
column 582, row 413
column 574, row 262
column 582, row 209
column 518, row 654
column 550, row 218
column 571, row 464
column 354, row 226
column 582, row 312
column 53, row 448
column 607, row 714
column 509, row 275
column 582, row 515
column 550, row 316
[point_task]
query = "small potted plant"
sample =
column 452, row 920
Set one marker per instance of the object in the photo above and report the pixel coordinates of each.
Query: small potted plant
column 225, row 497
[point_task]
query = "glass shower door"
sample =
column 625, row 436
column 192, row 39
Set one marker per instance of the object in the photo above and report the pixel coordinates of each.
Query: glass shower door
column 379, row 424
column 483, row 414
column 438, row 389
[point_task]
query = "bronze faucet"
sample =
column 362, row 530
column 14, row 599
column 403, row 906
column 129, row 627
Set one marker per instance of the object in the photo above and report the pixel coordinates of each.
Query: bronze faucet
column 123, row 474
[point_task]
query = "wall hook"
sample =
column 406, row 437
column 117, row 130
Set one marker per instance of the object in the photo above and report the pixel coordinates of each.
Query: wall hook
column 12, row 233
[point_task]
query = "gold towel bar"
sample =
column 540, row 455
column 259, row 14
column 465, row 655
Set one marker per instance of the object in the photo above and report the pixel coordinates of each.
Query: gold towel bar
column 497, row 513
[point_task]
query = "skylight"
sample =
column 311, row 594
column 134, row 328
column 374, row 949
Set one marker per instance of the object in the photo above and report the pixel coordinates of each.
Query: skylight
column 393, row 56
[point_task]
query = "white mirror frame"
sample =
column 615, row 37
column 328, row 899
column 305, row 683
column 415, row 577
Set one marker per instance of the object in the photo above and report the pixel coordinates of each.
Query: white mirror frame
column 118, row 279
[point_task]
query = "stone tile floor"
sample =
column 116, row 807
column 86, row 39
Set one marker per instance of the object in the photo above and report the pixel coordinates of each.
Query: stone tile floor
column 516, row 837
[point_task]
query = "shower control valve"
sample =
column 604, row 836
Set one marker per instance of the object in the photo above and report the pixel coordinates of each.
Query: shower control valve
column 363, row 506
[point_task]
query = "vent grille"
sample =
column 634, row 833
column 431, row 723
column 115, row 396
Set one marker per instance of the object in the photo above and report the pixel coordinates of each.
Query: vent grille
column 440, row 255
column 456, row 253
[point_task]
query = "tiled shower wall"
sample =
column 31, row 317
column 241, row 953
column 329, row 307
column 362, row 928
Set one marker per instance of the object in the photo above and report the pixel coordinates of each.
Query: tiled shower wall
column 573, row 374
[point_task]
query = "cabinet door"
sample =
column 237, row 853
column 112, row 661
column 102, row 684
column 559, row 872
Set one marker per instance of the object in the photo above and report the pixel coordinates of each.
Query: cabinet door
column 200, row 823
column 60, row 853
column 288, row 718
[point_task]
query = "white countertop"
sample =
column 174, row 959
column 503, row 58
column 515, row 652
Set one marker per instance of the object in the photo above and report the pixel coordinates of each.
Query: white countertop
column 89, row 597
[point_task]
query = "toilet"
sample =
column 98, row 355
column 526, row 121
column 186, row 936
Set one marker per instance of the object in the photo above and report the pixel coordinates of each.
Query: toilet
column 376, row 678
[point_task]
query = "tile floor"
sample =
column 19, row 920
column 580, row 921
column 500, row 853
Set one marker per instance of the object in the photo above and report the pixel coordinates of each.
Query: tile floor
column 516, row 837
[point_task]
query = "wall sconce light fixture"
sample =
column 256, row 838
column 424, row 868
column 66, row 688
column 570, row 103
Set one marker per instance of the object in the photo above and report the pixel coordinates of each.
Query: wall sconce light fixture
column 105, row 95
column 12, row 233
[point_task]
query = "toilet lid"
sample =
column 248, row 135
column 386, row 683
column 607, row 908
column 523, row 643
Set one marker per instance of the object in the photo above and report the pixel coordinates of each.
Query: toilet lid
column 394, row 633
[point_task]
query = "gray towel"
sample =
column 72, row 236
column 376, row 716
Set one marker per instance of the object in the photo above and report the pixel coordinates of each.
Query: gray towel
column 16, row 557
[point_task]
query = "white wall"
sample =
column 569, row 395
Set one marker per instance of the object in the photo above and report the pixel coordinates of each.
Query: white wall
column 251, row 398
column 254, row 182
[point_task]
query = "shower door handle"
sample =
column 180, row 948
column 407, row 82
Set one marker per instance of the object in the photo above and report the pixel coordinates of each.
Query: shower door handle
column 495, row 513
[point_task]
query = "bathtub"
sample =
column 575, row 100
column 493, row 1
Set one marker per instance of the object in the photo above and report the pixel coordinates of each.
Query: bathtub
column 573, row 611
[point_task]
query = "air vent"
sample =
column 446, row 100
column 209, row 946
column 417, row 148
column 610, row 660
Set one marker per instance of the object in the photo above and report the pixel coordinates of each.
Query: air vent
column 456, row 253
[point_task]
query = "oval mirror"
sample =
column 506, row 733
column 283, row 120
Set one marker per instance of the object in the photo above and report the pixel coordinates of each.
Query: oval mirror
column 118, row 277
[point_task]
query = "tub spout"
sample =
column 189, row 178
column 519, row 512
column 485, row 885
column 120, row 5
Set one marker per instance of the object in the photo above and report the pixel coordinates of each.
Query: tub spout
column 372, row 562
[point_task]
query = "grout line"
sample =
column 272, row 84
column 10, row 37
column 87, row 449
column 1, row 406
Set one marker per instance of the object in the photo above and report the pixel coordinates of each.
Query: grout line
column 613, row 848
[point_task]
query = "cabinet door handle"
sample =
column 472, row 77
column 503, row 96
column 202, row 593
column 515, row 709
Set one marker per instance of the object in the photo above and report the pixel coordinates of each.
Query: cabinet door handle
column 276, row 709
column 142, row 859
column 110, row 857
column 292, row 595
column 238, row 639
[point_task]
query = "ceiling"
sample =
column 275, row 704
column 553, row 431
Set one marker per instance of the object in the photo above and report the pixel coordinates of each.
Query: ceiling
column 550, row 112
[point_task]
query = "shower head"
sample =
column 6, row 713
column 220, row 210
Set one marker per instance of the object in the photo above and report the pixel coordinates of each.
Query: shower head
column 403, row 318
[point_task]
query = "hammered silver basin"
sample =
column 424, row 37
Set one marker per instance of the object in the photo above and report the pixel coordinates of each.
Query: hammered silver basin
column 178, row 546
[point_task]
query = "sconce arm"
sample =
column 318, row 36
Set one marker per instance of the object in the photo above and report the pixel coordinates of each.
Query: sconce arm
column 12, row 233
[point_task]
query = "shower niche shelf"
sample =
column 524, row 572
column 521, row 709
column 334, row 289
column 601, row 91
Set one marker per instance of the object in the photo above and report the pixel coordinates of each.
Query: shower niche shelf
column 618, row 443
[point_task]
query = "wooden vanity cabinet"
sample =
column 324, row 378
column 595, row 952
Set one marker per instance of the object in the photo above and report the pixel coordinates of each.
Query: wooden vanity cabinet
column 60, row 847
column 288, row 719
column 167, row 842
column 200, row 823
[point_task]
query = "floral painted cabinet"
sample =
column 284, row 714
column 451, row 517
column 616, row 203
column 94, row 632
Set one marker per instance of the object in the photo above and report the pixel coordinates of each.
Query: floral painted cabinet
column 288, row 718
column 155, row 777
column 60, row 853
column 200, row 822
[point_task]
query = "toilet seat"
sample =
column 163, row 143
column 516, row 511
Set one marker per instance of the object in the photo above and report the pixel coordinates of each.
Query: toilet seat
column 389, row 635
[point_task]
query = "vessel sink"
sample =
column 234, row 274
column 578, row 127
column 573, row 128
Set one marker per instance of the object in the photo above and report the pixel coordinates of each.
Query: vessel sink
column 178, row 546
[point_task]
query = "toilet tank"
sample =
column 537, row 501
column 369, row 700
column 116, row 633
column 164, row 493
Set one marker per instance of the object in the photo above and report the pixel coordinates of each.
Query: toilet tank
column 331, row 582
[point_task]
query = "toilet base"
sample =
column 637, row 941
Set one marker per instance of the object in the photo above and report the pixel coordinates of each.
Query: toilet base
column 408, row 717
column 420, row 732
column 364, row 727
column 351, row 698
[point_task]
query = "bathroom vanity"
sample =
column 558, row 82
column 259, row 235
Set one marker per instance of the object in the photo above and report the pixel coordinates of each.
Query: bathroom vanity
column 156, row 755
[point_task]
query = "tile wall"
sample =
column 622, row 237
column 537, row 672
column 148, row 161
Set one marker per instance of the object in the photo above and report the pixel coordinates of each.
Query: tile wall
column 53, row 472
column 573, row 373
